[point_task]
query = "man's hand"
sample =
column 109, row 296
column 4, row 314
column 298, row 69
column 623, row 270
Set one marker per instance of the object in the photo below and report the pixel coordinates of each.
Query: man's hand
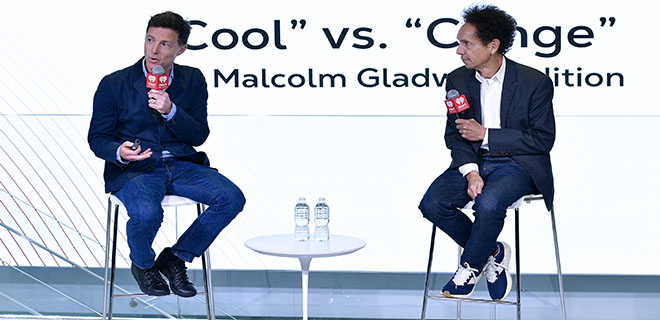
column 475, row 184
column 127, row 154
column 160, row 101
column 470, row 129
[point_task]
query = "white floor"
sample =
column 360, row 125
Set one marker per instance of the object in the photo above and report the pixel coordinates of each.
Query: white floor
column 63, row 293
column 285, row 303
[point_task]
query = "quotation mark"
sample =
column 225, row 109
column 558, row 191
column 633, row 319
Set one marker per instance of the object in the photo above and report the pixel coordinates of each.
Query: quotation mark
column 409, row 23
column 294, row 23
column 603, row 20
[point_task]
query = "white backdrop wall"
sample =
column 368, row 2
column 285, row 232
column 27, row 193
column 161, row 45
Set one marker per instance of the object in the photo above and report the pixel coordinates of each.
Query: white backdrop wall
column 371, row 151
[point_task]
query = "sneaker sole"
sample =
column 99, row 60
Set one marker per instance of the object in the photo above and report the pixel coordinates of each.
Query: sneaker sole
column 449, row 295
column 507, row 254
column 182, row 294
column 507, row 274
column 154, row 293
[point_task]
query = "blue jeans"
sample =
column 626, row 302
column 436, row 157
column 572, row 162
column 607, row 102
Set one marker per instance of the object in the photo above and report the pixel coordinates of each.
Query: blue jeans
column 143, row 194
column 505, row 181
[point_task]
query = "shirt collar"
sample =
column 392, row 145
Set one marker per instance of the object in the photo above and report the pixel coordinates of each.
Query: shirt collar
column 144, row 69
column 499, row 75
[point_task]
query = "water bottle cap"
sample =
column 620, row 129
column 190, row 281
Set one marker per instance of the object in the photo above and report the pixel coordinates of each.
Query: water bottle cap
column 321, row 199
column 301, row 199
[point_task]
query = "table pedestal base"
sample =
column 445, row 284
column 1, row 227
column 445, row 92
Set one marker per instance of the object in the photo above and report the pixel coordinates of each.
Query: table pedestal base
column 304, row 264
column 285, row 245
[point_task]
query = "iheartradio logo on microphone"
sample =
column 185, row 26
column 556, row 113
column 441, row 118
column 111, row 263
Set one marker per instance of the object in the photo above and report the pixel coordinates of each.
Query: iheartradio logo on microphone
column 157, row 79
column 456, row 103
column 157, row 82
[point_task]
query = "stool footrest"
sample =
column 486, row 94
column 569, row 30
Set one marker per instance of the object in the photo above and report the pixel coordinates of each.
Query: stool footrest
column 133, row 295
column 514, row 303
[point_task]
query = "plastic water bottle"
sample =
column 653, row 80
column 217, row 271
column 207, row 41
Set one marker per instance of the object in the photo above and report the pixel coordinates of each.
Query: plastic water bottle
column 301, row 217
column 321, row 220
column 302, row 213
column 321, row 213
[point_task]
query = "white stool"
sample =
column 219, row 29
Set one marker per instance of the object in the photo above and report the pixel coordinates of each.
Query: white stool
column 516, row 205
column 111, row 247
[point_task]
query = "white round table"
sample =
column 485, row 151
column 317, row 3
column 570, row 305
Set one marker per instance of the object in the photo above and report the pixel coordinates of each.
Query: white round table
column 284, row 245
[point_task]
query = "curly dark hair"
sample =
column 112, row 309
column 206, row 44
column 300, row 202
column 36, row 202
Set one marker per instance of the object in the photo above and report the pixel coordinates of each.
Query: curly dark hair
column 492, row 23
column 173, row 21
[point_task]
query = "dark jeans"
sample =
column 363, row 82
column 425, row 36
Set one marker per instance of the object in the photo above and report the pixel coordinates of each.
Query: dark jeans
column 505, row 181
column 143, row 194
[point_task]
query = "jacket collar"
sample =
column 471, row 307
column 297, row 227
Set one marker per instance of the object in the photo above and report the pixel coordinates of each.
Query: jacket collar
column 136, row 75
column 474, row 95
column 508, row 90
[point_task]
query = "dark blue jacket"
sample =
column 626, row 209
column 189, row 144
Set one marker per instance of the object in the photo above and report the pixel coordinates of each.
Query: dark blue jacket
column 121, row 113
column 527, row 131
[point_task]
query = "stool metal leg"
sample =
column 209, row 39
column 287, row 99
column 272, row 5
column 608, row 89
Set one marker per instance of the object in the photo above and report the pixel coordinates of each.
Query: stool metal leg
column 428, row 274
column 517, row 241
column 493, row 311
column 208, row 286
column 560, row 278
column 459, row 308
column 208, row 277
column 107, row 262
column 113, row 263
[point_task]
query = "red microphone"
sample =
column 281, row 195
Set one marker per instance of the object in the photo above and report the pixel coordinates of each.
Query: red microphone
column 157, row 79
column 457, row 104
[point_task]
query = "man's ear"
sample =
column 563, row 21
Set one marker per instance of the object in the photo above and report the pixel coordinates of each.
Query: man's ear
column 182, row 50
column 494, row 46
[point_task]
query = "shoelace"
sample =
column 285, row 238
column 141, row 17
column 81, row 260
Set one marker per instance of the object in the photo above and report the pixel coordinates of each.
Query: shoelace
column 493, row 269
column 152, row 276
column 463, row 274
column 180, row 272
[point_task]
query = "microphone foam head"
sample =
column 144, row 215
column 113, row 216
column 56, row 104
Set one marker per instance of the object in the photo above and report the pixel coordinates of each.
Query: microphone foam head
column 158, row 70
column 451, row 94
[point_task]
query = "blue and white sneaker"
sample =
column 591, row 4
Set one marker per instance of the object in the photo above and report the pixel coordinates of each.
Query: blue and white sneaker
column 463, row 283
column 497, row 272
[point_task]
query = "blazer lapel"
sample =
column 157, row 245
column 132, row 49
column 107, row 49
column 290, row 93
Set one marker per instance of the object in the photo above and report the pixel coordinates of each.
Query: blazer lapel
column 139, row 80
column 474, row 96
column 179, row 82
column 508, row 89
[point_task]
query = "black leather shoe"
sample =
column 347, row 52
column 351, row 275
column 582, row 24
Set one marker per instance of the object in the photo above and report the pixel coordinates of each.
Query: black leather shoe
column 150, row 281
column 174, row 269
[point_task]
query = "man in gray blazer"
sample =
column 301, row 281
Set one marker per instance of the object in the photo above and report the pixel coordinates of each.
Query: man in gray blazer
column 499, row 154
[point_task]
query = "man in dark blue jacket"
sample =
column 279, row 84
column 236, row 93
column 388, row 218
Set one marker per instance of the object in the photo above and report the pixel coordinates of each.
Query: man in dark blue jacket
column 499, row 154
column 168, row 124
